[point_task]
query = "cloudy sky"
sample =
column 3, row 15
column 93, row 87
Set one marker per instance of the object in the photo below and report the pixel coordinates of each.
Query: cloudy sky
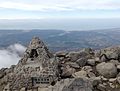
column 43, row 9
column 59, row 14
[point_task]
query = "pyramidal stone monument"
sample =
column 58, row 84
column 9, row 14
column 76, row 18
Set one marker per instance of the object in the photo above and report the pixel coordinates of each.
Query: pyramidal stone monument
column 36, row 67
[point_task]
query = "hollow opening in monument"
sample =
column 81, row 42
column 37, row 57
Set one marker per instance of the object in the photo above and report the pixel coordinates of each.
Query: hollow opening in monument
column 33, row 53
column 53, row 83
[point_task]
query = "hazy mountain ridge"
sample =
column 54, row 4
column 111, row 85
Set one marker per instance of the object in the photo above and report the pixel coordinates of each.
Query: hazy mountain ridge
column 63, row 40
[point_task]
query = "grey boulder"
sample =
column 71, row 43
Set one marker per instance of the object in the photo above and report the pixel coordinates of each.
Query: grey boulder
column 107, row 70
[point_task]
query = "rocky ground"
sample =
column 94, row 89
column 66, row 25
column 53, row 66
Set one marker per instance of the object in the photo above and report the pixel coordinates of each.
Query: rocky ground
column 82, row 70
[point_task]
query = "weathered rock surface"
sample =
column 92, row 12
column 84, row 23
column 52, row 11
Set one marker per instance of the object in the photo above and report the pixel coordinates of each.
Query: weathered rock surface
column 80, row 74
column 107, row 70
column 67, row 71
column 81, row 61
column 79, row 84
column 91, row 62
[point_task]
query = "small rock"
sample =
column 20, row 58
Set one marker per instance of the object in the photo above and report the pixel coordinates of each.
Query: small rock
column 91, row 62
column 88, row 50
column 73, row 56
column 103, row 58
column 118, row 67
column 76, row 84
column 81, row 62
column 61, row 54
column 112, row 80
column 80, row 74
column 87, row 68
column 97, row 53
column 67, row 71
column 118, row 74
column 104, row 79
column 101, row 87
column 112, row 55
column 118, row 80
column 116, row 62
column 73, row 65
column 105, row 84
column 91, row 74
column 111, row 85
column 95, row 81
column 61, row 58
column 97, row 60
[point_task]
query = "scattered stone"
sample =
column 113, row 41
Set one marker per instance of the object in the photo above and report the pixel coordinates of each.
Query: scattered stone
column 111, row 85
column 87, row 68
column 107, row 70
column 97, row 60
column 118, row 74
column 105, row 84
column 118, row 67
column 101, row 87
column 118, row 80
column 74, row 56
column 91, row 62
column 97, row 53
column 91, row 74
column 112, row 55
column 80, row 74
column 95, row 81
column 81, row 62
column 116, row 62
column 88, row 50
column 61, row 54
column 103, row 58
column 104, row 79
column 78, row 84
column 73, row 65
column 112, row 80
column 67, row 71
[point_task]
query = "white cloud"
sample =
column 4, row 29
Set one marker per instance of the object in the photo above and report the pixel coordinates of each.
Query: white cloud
column 17, row 49
column 20, row 17
column 32, row 7
column 11, row 55
column 60, row 5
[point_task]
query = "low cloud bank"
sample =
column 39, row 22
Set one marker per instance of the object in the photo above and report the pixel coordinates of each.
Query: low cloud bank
column 11, row 55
